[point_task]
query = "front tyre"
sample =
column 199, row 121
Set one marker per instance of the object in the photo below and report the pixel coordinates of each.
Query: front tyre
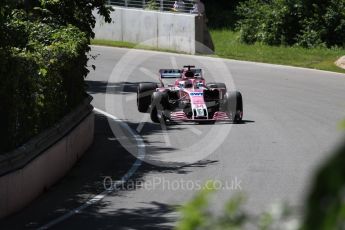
column 158, row 105
column 154, row 114
column 145, row 91
column 234, row 106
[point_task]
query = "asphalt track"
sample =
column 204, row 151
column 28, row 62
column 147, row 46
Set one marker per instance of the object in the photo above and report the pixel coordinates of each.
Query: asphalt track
column 290, row 127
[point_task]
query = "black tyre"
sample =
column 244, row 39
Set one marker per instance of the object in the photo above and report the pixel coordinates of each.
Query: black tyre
column 158, row 106
column 234, row 105
column 216, row 85
column 144, row 96
column 154, row 114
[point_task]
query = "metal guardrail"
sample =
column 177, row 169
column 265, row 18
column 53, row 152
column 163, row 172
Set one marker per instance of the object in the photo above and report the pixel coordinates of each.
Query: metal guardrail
column 159, row 5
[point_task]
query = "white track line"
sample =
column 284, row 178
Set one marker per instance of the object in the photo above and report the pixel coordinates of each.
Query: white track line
column 99, row 197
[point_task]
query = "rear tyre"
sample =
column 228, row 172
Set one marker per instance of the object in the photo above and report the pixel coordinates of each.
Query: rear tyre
column 234, row 105
column 144, row 96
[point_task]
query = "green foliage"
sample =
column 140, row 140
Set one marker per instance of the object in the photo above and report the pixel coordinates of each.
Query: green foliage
column 151, row 5
column 342, row 125
column 197, row 216
column 325, row 205
column 221, row 13
column 194, row 213
column 271, row 22
column 16, row 98
column 307, row 23
column 233, row 216
column 227, row 45
column 43, row 62
column 74, row 12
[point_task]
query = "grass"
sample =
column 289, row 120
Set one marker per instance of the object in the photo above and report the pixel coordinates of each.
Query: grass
column 227, row 45
column 112, row 43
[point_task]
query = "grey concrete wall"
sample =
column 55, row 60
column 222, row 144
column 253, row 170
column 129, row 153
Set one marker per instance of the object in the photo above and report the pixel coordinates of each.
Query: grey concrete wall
column 162, row 30
column 20, row 187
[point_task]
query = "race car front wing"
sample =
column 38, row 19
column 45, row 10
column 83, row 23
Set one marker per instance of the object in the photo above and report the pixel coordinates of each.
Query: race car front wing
column 180, row 116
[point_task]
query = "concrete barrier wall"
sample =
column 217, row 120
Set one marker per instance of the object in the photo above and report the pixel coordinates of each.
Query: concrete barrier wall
column 22, row 186
column 161, row 30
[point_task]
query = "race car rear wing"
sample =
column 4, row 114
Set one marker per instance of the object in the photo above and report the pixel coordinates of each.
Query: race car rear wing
column 176, row 73
column 170, row 73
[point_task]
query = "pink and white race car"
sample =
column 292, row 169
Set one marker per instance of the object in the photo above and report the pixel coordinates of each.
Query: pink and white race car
column 188, row 98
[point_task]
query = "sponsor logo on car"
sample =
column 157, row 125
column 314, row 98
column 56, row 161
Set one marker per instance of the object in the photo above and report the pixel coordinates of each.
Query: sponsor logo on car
column 196, row 94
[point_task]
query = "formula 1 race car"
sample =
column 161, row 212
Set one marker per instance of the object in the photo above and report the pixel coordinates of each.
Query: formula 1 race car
column 188, row 98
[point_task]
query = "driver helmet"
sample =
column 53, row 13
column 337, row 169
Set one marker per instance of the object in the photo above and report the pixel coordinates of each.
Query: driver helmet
column 189, row 74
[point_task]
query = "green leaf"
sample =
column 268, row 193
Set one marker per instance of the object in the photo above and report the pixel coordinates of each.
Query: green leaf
column 43, row 72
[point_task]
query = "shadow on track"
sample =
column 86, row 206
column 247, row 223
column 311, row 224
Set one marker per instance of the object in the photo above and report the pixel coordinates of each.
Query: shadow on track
column 152, row 215
column 243, row 122
column 106, row 157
